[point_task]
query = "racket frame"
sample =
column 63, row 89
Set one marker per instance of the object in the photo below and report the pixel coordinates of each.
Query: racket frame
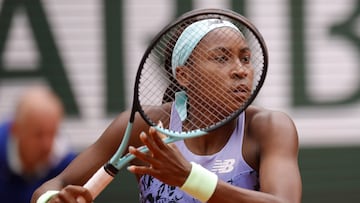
column 106, row 173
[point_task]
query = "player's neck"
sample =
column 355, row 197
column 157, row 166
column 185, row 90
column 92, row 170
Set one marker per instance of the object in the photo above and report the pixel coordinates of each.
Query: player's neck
column 211, row 143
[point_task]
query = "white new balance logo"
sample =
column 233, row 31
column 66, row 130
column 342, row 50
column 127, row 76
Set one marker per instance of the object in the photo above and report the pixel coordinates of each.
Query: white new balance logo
column 223, row 166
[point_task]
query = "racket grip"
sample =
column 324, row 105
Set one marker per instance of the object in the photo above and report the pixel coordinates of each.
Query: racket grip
column 98, row 182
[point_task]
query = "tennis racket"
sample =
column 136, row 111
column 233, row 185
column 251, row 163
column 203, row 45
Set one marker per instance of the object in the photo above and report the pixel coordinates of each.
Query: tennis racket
column 199, row 99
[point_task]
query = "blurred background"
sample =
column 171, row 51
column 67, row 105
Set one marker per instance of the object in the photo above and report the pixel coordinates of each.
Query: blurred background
column 88, row 52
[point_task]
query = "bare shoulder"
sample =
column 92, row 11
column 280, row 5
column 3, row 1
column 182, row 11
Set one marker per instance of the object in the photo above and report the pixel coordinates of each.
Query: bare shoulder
column 269, row 126
column 258, row 116
column 157, row 113
column 117, row 128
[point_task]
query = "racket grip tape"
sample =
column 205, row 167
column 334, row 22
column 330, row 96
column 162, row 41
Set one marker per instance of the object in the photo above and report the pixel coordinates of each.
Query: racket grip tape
column 98, row 182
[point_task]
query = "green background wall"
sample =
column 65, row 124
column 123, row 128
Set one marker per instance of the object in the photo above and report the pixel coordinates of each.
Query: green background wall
column 86, row 49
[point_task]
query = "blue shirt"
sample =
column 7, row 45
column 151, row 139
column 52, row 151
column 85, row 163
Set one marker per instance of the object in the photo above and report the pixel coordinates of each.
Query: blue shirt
column 15, row 188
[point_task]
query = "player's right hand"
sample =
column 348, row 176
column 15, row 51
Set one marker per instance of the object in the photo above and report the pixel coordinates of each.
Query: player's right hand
column 72, row 194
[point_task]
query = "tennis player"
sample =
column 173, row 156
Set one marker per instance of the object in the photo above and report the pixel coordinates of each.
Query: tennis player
column 253, row 158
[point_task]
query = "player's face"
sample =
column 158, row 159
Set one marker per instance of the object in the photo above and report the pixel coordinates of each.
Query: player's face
column 220, row 66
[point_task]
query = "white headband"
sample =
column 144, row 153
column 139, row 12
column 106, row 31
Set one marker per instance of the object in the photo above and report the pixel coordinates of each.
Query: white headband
column 191, row 36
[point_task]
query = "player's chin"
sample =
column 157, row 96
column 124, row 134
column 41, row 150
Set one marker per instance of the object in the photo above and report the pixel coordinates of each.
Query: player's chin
column 235, row 105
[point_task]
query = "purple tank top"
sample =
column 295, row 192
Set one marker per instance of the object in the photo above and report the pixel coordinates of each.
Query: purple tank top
column 228, row 164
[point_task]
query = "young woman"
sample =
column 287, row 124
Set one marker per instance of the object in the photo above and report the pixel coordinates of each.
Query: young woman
column 253, row 158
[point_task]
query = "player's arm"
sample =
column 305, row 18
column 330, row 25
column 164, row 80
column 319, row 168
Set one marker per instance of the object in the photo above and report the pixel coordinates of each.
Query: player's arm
column 69, row 182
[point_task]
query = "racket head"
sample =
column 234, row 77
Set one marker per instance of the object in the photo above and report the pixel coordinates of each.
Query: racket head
column 157, row 81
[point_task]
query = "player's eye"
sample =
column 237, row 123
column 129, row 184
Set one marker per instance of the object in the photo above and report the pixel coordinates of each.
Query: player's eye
column 221, row 58
column 245, row 59
column 245, row 56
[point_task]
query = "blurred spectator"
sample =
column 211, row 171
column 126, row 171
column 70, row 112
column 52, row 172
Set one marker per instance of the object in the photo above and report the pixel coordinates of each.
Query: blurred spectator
column 30, row 150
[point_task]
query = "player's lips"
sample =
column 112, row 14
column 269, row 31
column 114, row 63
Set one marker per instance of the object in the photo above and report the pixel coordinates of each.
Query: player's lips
column 241, row 91
column 242, row 88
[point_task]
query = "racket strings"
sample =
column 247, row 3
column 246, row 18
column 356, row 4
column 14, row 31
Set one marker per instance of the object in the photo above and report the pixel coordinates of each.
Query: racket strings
column 213, row 85
column 206, row 105
column 202, row 114
column 157, row 85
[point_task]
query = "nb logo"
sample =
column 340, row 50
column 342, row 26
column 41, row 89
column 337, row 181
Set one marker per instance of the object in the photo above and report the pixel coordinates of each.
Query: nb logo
column 223, row 166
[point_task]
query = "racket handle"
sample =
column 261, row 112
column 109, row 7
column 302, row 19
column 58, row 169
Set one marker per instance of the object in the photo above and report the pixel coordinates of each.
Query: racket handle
column 98, row 182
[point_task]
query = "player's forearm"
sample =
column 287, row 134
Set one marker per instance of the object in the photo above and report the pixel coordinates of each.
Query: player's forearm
column 53, row 184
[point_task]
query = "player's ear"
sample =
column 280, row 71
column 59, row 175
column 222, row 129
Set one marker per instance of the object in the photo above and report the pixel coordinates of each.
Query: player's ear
column 182, row 75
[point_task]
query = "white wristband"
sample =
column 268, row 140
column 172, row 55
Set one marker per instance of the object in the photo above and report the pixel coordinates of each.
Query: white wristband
column 201, row 183
column 47, row 196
